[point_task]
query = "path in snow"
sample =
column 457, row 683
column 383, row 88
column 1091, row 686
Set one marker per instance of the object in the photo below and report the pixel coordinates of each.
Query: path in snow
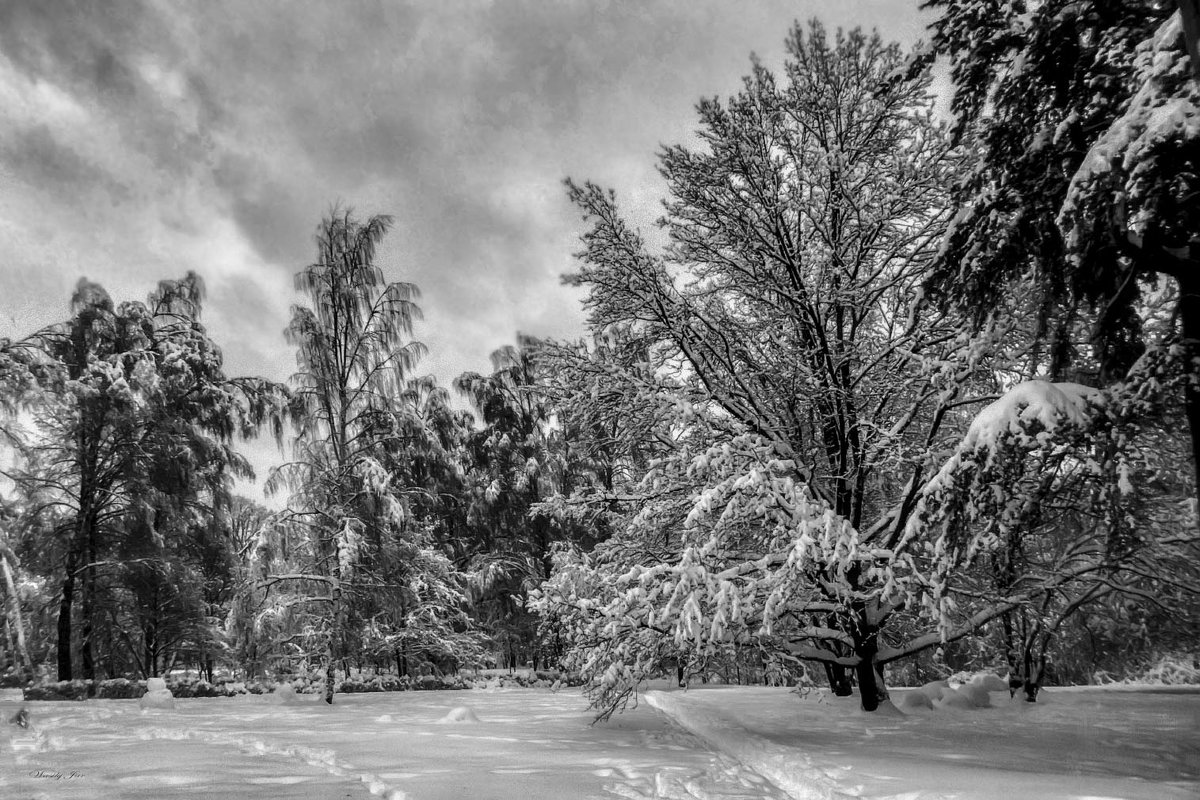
column 1073, row 743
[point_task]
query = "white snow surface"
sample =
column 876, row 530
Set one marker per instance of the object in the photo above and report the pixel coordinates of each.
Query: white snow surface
column 1074, row 743
column 533, row 744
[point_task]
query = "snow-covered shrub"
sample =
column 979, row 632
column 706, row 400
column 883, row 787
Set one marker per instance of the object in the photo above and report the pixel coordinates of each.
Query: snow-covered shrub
column 1172, row 669
column 354, row 686
column 11, row 679
column 429, row 682
column 195, row 687
column 388, row 683
column 120, row 689
column 382, row 683
column 61, row 690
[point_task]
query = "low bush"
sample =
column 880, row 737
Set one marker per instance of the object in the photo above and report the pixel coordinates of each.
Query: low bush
column 120, row 689
column 61, row 690
column 13, row 680
column 126, row 689
column 1172, row 669
column 197, row 688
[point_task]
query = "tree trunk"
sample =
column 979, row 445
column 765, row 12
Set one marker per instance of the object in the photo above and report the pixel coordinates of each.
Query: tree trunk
column 334, row 623
column 868, row 673
column 839, row 680
column 1033, row 675
column 330, row 661
column 86, row 650
column 15, row 619
column 64, row 624
column 8, row 638
column 1189, row 12
column 148, row 644
column 870, row 684
column 1189, row 314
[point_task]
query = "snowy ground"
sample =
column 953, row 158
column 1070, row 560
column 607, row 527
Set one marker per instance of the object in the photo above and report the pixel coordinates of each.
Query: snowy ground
column 531, row 744
column 1073, row 743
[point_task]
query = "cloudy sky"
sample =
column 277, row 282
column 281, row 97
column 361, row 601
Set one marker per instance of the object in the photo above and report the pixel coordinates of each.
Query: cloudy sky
column 140, row 140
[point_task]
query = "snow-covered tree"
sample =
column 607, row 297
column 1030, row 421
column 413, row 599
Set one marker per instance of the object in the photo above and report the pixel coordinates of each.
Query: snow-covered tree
column 1058, row 496
column 132, row 423
column 787, row 301
column 14, row 618
column 514, row 461
column 355, row 354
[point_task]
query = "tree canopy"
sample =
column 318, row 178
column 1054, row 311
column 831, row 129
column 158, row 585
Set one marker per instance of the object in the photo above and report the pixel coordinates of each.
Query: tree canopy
column 889, row 392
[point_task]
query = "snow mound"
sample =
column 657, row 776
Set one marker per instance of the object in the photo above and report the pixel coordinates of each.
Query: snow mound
column 157, row 695
column 990, row 681
column 979, row 696
column 459, row 714
column 913, row 700
column 284, row 694
column 975, row 693
column 927, row 695
column 956, row 699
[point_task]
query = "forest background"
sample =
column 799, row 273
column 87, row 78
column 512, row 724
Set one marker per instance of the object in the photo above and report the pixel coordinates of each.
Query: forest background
column 889, row 392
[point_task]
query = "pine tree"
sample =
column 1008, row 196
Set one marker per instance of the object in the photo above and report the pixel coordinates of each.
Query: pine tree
column 1084, row 118
column 131, row 407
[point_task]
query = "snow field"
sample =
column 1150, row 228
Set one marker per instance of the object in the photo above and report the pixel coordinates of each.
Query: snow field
column 722, row 743
column 526, row 744
column 1073, row 743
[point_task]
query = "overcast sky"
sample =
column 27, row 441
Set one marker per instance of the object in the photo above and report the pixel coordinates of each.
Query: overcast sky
column 140, row 140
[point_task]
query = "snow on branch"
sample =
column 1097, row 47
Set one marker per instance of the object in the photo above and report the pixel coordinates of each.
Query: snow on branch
column 1030, row 415
column 1048, row 404
column 1135, row 163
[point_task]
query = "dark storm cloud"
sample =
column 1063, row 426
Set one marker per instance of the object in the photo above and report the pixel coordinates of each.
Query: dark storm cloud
column 34, row 155
column 140, row 140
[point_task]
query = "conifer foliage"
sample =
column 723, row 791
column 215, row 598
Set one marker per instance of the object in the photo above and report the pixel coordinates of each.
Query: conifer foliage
column 1086, row 121
column 127, row 462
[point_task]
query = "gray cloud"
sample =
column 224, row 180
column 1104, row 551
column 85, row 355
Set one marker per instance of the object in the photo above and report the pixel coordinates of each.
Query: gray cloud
column 144, row 139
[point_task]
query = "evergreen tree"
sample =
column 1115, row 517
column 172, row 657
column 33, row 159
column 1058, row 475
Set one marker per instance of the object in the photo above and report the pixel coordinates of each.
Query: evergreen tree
column 133, row 426
column 1084, row 118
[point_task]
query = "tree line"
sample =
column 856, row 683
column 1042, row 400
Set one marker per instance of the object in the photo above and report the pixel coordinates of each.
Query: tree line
column 899, row 394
